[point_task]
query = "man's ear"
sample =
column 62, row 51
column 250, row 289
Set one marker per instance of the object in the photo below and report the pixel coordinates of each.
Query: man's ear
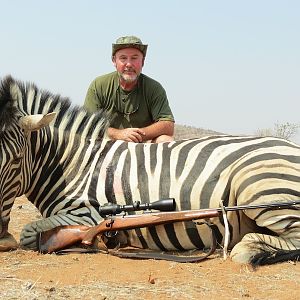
column 113, row 59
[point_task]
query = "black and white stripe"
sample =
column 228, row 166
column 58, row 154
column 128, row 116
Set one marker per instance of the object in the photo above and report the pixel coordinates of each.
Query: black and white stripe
column 69, row 169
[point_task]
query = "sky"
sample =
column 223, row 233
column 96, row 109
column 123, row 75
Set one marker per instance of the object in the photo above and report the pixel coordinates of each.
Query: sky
column 229, row 66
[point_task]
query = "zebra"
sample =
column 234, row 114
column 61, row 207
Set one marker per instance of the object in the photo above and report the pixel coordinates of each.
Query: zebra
column 59, row 156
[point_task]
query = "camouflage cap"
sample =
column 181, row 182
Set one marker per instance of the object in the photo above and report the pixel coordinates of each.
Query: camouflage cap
column 129, row 42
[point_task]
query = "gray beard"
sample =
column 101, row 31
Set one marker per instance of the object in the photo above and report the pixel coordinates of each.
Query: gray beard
column 128, row 79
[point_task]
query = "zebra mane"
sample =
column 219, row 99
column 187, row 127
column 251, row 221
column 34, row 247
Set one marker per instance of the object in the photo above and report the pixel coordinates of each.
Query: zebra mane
column 18, row 99
column 8, row 110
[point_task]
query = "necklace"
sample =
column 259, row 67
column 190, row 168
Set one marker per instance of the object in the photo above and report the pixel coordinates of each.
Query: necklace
column 123, row 104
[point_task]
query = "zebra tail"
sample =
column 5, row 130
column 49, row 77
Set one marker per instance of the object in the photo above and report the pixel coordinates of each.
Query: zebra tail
column 273, row 257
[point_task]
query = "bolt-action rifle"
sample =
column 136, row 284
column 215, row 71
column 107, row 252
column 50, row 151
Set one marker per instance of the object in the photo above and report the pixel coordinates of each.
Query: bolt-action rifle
column 65, row 236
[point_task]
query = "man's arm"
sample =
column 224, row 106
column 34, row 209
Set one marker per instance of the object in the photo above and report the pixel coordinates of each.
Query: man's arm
column 149, row 133
column 157, row 129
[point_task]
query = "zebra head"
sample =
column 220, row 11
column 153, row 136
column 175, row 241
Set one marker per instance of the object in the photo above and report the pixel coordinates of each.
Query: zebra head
column 34, row 157
column 15, row 147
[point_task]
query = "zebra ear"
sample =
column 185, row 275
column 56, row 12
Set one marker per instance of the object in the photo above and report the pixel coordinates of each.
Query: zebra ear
column 36, row 122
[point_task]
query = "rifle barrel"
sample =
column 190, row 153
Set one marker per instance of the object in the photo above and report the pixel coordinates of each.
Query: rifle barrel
column 269, row 205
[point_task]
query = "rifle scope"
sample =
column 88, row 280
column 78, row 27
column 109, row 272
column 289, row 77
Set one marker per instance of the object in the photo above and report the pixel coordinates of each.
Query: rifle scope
column 168, row 204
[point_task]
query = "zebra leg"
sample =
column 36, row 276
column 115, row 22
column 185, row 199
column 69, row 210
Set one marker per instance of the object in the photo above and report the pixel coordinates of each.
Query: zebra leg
column 7, row 241
column 261, row 249
column 30, row 232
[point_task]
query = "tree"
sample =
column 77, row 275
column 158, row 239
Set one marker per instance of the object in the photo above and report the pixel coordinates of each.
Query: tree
column 286, row 130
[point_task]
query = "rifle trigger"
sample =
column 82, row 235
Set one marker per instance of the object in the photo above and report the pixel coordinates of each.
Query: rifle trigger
column 109, row 223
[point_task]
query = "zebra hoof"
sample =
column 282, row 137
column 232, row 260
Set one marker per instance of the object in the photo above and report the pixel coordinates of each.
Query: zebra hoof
column 243, row 253
column 241, row 258
column 7, row 243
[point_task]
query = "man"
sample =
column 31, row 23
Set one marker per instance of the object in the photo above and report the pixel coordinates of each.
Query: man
column 137, row 104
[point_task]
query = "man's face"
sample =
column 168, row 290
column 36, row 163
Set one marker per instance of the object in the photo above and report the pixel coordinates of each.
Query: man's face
column 129, row 63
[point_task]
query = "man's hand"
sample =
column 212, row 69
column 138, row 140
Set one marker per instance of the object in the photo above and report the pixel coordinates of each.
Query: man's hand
column 135, row 135
column 161, row 131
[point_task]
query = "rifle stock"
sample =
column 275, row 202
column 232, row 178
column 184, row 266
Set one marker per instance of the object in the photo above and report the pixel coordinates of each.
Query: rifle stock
column 61, row 237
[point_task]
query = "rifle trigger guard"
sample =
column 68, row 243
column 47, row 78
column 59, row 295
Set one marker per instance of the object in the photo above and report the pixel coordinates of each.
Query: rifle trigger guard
column 202, row 223
column 110, row 234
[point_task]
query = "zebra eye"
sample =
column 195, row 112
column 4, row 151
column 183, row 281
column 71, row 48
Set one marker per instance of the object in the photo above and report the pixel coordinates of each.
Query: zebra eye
column 16, row 160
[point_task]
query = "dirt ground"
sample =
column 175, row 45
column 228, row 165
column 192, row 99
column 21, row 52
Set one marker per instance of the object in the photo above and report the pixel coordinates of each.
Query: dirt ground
column 29, row 275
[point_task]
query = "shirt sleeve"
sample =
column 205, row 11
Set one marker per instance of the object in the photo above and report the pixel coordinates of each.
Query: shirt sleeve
column 160, row 108
column 92, row 101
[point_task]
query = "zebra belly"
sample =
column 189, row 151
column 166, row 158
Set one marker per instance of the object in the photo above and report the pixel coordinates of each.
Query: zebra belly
column 189, row 235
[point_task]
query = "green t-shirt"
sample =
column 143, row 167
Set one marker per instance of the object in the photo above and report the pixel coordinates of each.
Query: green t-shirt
column 141, row 107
